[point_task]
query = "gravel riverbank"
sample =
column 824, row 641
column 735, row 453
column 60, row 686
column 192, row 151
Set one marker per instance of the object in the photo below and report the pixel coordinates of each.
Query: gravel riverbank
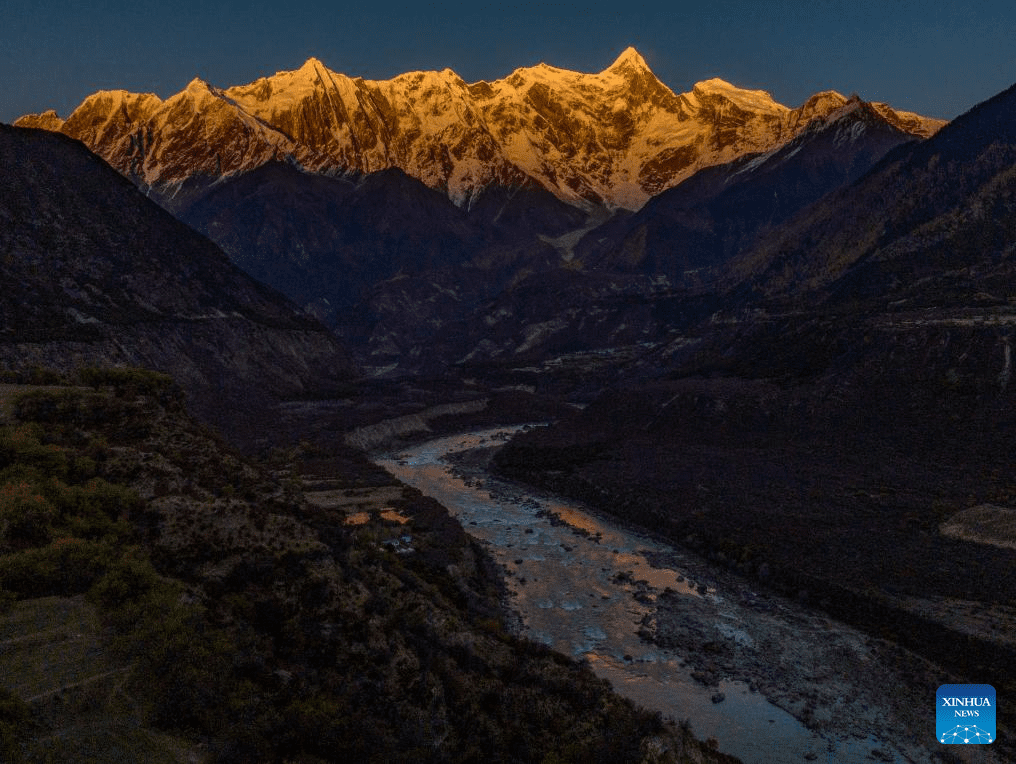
column 676, row 633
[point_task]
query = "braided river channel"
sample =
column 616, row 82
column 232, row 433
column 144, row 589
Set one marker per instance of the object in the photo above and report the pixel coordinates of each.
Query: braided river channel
column 769, row 680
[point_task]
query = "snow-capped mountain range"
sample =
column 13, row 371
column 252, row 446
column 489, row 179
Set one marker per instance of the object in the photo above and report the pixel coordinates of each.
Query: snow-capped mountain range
column 614, row 138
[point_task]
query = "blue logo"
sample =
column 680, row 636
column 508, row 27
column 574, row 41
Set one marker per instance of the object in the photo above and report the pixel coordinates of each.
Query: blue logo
column 965, row 714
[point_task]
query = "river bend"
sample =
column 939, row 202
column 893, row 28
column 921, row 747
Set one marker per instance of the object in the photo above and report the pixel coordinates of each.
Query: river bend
column 593, row 589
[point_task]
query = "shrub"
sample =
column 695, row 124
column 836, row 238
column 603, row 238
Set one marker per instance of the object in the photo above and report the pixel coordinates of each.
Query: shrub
column 15, row 722
column 48, row 406
column 96, row 498
column 23, row 446
column 40, row 375
column 130, row 382
column 185, row 664
column 126, row 584
column 67, row 407
column 63, row 567
column 25, row 517
column 21, row 473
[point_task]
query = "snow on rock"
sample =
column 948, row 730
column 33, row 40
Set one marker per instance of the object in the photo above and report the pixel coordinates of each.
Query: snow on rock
column 47, row 120
column 613, row 138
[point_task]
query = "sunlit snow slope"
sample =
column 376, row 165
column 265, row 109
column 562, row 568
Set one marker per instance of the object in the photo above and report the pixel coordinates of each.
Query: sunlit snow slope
column 614, row 138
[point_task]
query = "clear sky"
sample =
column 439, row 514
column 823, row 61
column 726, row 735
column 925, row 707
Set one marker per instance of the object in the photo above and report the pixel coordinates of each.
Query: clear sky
column 935, row 58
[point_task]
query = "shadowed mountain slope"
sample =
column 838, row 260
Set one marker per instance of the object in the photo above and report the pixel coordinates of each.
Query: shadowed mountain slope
column 628, row 283
column 304, row 179
column 718, row 212
column 314, row 237
column 384, row 259
column 94, row 273
column 932, row 224
column 334, row 239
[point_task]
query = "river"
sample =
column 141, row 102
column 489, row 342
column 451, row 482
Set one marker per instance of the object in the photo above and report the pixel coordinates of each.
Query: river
column 595, row 590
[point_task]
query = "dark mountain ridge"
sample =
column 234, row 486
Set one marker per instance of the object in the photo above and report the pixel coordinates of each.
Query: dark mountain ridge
column 933, row 209
column 320, row 238
column 382, row 258
column 713, row 215
column 96, row 274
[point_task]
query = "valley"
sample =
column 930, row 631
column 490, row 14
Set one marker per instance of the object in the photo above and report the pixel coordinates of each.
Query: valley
column 772, row 345
column 170, row 600
column 675, row 632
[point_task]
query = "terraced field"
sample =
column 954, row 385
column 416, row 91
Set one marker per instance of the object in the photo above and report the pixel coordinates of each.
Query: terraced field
column 55, row 656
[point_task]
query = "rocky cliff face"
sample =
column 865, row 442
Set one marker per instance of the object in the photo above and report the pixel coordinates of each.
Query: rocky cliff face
column 94, row 273
column 612, row 138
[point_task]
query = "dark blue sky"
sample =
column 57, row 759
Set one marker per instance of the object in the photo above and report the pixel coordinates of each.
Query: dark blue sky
column 936, row 58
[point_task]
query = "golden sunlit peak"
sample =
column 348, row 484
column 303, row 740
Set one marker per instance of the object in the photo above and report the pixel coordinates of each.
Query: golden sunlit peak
column 715, row 84
column 312, row 64
column 198, row 85
column 752, row 100
column 629, row 59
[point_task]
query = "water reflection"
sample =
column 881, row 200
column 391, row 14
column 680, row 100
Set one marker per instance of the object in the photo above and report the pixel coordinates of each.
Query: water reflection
column 586, row 587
